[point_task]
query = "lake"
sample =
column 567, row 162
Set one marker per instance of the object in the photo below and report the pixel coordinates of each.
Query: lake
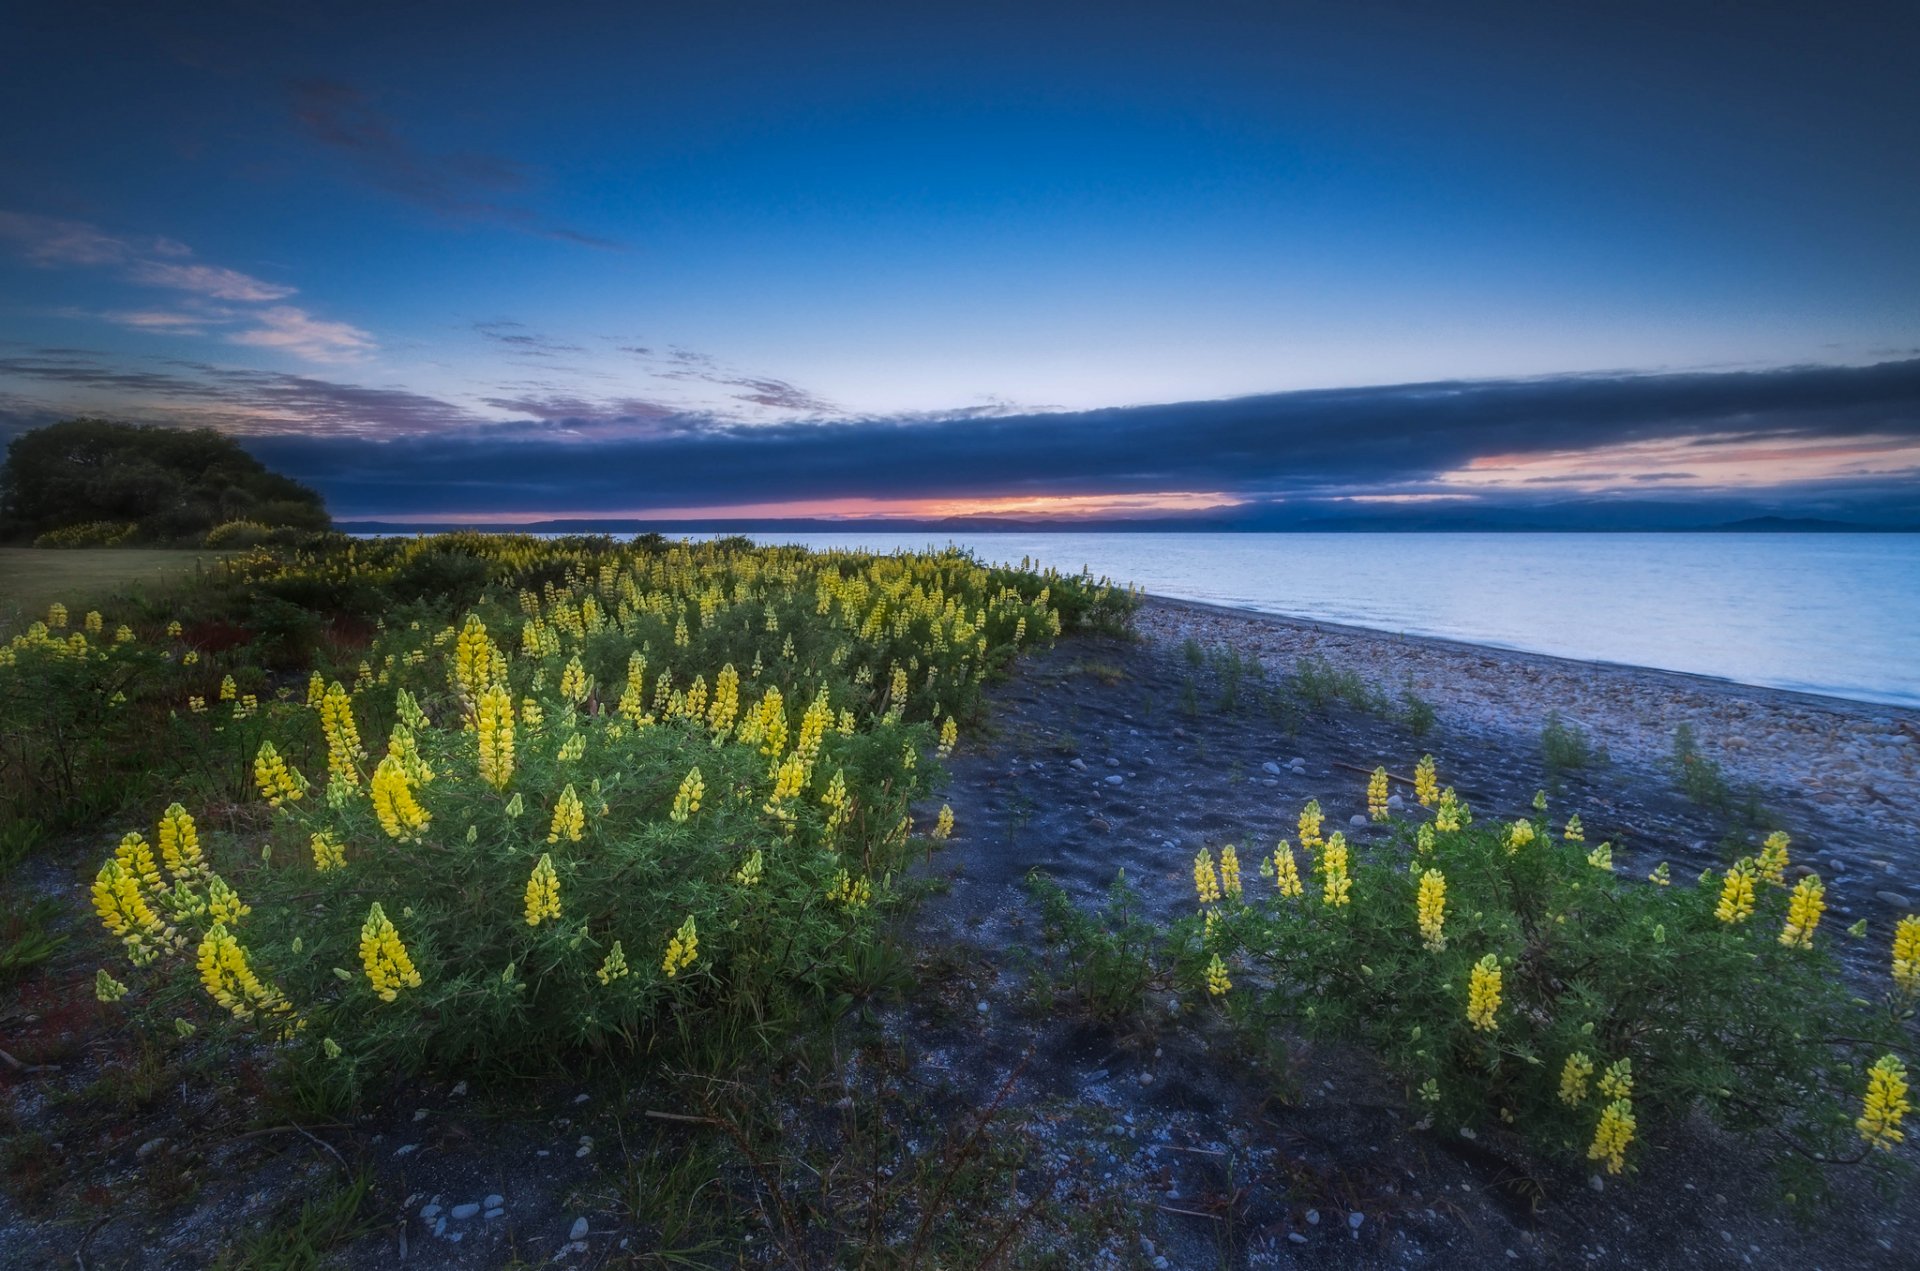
column 1822, row 613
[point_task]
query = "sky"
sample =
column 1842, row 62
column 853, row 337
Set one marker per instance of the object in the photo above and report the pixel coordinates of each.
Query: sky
column 503, row 261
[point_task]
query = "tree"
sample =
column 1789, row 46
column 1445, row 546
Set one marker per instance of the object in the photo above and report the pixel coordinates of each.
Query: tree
column 169, row 483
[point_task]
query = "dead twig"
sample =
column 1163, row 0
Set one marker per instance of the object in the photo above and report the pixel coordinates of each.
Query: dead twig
column 17, row 1066
column 1368, row 772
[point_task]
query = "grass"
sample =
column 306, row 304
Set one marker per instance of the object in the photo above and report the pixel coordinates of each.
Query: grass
column 1567, row 747
column 31, row 578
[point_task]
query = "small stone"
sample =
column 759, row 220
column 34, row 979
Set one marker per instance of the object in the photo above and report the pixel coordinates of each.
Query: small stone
column 1598, row 1183
column 148, row 1148
column 459, row 1087
column 496, row 1212
column 1358, row 820
column 1160, row 1263
column 494, row 1201
column 1313, row 1218
column 440, row 1226
column 1355, row 1219
column 1116, row 779
column 1078, row 765
column 419, row 1114
column 406, row 1149
column 982, row 1007
column 579, row 1230
column 581, row 1098
column 429, row 1212
column 1395, row 802
column 464, row 1211
column 1893, row 898
column 455, row 1237
column 1296, row 1237
column 1271, row 768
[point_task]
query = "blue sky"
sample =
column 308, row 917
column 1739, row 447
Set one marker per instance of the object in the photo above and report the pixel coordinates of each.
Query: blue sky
column 591, row 230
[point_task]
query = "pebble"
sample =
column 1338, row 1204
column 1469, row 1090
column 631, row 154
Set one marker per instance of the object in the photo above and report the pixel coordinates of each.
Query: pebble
column 459, row 1087
column 494, row 1201
column 406, row 1148
column 1271, row 768
column 1894, row 898
column 1355, row 1219
column 496, row 1212
column 419, row 1114
column 579, row 1230
column 1358, row 820
column 1078, row 765
column 464, row 1211
column 1598, row 1183
column 148, row 1148
column 982, row 1007
column 1296, row 1237
column 429, row 1212
column 1395, row 802
column 1313, row 1218
column 1116, row 779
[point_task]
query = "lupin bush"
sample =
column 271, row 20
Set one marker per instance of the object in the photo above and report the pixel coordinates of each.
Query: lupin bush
column 1510, row 976
column 632, row 798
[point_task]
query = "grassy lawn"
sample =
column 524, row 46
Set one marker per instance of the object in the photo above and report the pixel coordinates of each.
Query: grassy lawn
column 31, row 578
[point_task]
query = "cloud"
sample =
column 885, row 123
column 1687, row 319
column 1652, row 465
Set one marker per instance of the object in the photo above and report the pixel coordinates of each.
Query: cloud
column 459, row 186
column 169, row 322
column 298, row 332
column 1400, row 440
column 207, row 280
column 515, row 336
column 51, row 243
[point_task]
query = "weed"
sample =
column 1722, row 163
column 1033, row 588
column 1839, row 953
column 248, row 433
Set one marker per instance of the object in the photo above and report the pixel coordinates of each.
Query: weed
column 27, row 937
column 1112, row 957
column 301, row 1239
column 1566, row 747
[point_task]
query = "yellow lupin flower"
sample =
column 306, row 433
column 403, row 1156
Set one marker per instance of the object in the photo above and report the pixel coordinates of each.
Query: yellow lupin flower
column 1217, row 981
column 1206, row 882
column 543, row 892
column 1601, row 857
column 751, row 869
column 229, row 977
column 943, row 824
column 1286, row 874
column 1736, row 894
column 1483, row 993
column 687, row 800
column 1906, row 955
column 57, row 616
column 125, row 913
column 384, row 957
column 1773, row 860
column 228, row 689
column 854, row 893
column 1612, row 1135
column 1661, row 875
column 1451, row 814
column 1335, row 885
column 223, row 903
column 569, row 818
column 137, row 859
column 1574, row 1076
column 94, row 622
column 1519, row 834
column 1426, row 785
column 316, row 690
column 949, row 733
column 1377, row 794
column 401, row 816
column 180, row 844
column 1575, row 832
column 1230, row 872
column 615, row 967
column 106, row 988
column 1617, row 1081
column 1433, row 909
column 343, row 735
column 493, row 727
column 327, row 851
column 1310, row 818
column 682, row 949
column 1804, row 907
column 725, row 706
column 573, row 681
column 1423, row 837
column 278, row 782
column 1885, row 1105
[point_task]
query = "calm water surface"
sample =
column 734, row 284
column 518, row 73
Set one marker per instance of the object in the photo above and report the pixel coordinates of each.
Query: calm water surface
column 1823, row 613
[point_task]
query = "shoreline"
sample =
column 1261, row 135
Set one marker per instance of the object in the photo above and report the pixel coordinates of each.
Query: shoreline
column 1855, row 764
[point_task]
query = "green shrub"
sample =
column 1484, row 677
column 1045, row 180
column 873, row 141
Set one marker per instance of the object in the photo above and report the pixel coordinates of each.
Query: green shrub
column 89, row 534
column 1685, row 993
column 238, row 534
column 1566, row 747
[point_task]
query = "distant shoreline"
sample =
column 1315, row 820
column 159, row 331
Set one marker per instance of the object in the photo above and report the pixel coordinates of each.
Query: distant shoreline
column 1763, row 525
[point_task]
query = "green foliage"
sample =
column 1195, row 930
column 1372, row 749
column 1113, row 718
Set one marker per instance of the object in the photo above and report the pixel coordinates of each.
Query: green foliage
column 27, row 937
column 1111, row 958
column 300, row 1237
column 1712, row 1017
column 1698, row 777
column 1566, row 747
column 84, row 482
column 1417, row 713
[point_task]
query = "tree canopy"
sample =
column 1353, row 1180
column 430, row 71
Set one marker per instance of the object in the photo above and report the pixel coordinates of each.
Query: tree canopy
column 155, row 484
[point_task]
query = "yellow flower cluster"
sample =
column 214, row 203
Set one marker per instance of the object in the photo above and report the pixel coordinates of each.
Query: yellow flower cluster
column 1661, row 876
column 854, row 893
column 1736, row 894
column 400, row 814
column 838, row 803
column 180, row 844
column 229, row 977
column 1617, row 1081
column 278, row 782
column 493, row 728
column 751, row 869
column 1451, row 814
column 1519, row 834
column 1601, row 857
column 682, row 949
column 1230, row 871
column 136, row 858
column 949, row 733
column 1310, row 819
column 327, row 851
column 1377, row 794
column 569, row 818
column 686, row 801
column 1906, row 955
column 343, row 736
column 1575, row 832
column 725, row 705
column 943, row 824
column 1433, row 910
column 1335, row 886
column 1773, row 860
column 1206, row 882
column 384, row 957
column 1426, row 784
column 1286, row 874
column 1804, row 908
column 124, row 911
column 1217, row 981
column 223, row 903
column 1483, row 993
column 106, row 988
column 1574, row 1076
column 1612, row 1135
column 543, row 892
column 615, row 966
column 573, row 681
column 1885, row 1105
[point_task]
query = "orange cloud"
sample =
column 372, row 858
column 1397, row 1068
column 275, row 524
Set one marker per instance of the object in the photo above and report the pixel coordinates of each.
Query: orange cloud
column 1063, row 506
